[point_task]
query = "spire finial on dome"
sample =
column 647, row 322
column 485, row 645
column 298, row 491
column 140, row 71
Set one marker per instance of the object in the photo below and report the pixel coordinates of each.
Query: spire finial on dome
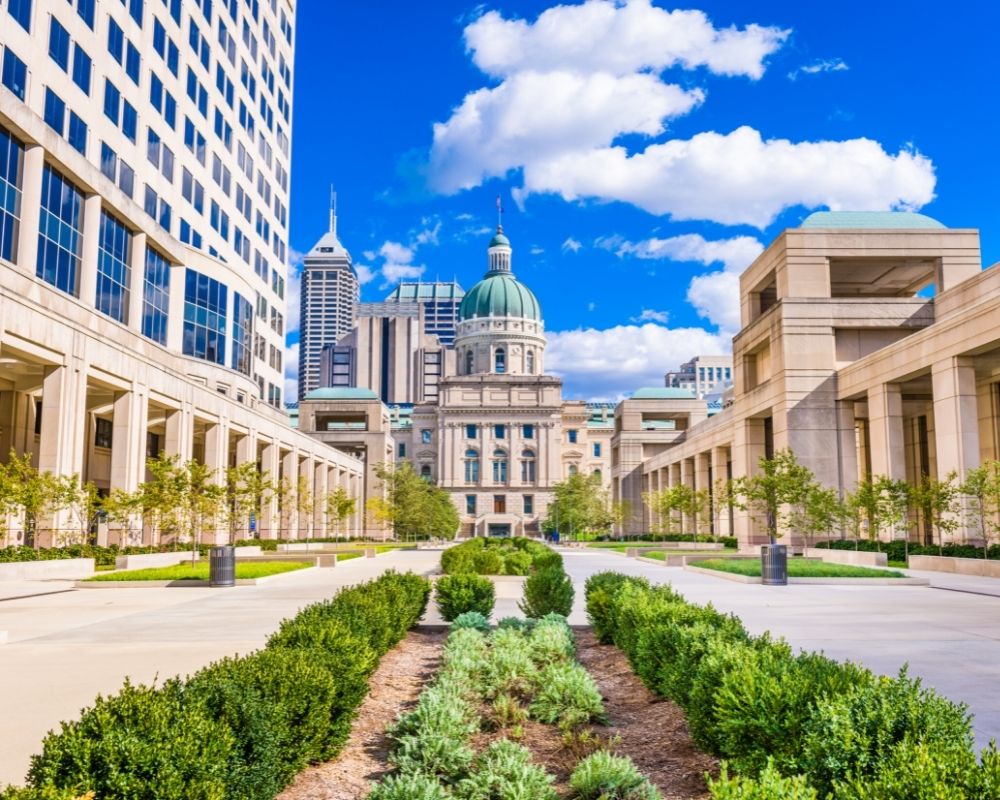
column 499, row 214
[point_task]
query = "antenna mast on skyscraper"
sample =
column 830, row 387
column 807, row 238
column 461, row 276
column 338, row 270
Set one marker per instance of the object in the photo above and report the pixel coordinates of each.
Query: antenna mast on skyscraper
column 333, row 211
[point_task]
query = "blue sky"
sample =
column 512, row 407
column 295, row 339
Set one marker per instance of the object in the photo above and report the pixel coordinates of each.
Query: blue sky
column 643, row 156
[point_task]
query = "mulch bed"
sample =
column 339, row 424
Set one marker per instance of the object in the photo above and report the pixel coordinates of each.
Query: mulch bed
column 651, row 731
column 395, row 686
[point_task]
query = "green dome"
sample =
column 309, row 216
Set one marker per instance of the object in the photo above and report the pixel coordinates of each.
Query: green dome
column 499, row 239
column 499, row 294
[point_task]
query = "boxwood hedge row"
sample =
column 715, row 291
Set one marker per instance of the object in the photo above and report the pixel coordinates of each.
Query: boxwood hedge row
column 241, row 727
column 485, row 556
column 791, row 725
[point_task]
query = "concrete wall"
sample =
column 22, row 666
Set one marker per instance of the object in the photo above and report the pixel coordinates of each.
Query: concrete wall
column 63, row 568
column 959, row 566
column 858, row 558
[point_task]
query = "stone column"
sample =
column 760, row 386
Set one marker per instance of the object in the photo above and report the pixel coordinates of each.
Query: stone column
column 136, row 286
column 289, row 514
column 320, row 489
column 179, row 437
column 175, row 320
column 306, row 480
column 676, row 523
column 885, row 430
column 956, row 424
column 246, row 453
column 702, row 467
column 64, row 426
column 748, row 447
column 16, row 429
column 217, row 459
column 89, row 248
column 720, row 510
column 847, row 446
column 270, row 518
column 687, row 479
column 128, row 447
column 32, row 167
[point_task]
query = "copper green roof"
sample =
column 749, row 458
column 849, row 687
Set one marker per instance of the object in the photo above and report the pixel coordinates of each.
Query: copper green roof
column 662, row 393
column 499, row 294
column 499, row 239
column 341, row 393
column 897, row 220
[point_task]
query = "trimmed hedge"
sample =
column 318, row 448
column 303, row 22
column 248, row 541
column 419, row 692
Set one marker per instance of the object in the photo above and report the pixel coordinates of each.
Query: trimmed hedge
column 457, row 594
column 547, row 591
column 898, row 551
column 241, row 727
column 793, row 725
column 486, row 556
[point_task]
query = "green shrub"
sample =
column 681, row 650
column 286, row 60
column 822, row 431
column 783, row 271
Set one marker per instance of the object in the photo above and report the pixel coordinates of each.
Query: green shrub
column 544, row 558
column 413, row 786
column 43, row 793
column 769, row 785
column 456, row 561
column 852, row 734
column 603, row 776
column 921, row 772
column 457, row 594
column 517, row 563
column 141, row 742
column 433, row 738
column 508, row 667
column 471, row 619
column 489, row 562
column 515, row 623
column 503, row 771
column 507, row 711
column 551, row 640
column 277, row 705
column 547, row 590
column 600, row 590
column 567, row 695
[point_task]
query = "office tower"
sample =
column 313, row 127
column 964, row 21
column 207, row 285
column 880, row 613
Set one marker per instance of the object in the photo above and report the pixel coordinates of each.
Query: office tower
column 440, row 301
column 329, row 297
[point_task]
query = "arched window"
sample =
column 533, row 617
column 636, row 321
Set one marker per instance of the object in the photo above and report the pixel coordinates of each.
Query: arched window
column 425, row 472
column 500, row 360
column 471, row 466
column 530, row 363
column 528, row 462
column 597, row 474
column 468, row 362
column 499, row 466
column 572, row 469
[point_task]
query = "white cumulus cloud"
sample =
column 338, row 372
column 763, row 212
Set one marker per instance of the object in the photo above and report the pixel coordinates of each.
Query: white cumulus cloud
column 816, row 67
column 571, row 245
column 739, row 177
column 618, row 38
column 291, row 372
column 365, row 273
column 652, row 315
column 608, row 363
column 570, row 84
column 394, row 251
column 394, row 273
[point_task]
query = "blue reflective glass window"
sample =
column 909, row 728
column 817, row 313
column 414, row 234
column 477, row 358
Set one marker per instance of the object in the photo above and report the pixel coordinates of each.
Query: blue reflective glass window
column 20, row 10
column 60, row 232
column 132, row 62
column 81, row 69
column 55, row 111
column 113, row 268
column 11, row 155
column 58, row 44
column 156, row 297
column 15, row 73
column 77, row 134
column 116, row 41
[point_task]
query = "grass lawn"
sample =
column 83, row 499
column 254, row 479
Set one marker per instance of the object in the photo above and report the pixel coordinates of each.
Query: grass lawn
column 623, row 546
column 661, row 555
column 199, row 571
column 797, row 568
column 349, row 555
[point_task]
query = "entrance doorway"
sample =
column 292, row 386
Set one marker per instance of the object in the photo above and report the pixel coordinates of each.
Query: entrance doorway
column 499, row 504
column 499, row 531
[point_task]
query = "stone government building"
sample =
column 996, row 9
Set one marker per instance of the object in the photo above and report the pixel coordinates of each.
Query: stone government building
column 869, row 345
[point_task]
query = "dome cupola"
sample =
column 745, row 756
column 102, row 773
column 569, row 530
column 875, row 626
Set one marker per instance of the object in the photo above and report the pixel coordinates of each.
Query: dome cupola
column 499, row 328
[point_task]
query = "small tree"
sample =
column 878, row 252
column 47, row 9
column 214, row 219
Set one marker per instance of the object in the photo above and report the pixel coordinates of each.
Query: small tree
column 304, row 504
column 981, row 487
column 83, row 502
column 723, row 500
column 412, row 506
column 581, row 506
column 246, row 490
column 339, row 507
column 125, row 508
column 780, row 484
column 670, row 504
column 162, row 498
column 819, row 511
column 33, row 494
column 882, row 503
column 938, row 501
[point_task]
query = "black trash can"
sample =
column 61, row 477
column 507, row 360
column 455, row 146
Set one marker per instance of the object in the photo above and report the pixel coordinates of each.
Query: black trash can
column 774, row 565
column 222, row 566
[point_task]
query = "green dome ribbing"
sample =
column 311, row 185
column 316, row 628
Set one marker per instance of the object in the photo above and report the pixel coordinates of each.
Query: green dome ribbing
column 499, row 294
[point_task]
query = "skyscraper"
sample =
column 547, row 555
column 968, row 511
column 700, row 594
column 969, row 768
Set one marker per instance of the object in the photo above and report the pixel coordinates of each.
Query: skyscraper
column 440, row 301
column 329, row 299
column 144, row 174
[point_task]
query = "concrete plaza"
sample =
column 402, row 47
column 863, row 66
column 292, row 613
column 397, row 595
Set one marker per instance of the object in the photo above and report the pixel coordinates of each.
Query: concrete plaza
column 65, row 648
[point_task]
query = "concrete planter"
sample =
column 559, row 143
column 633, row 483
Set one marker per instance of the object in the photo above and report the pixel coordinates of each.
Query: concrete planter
column 57, row 569
column 306, row 547
column 179, row 584
column 729, row 576
column 147, row 560
column 856, row 558
column 314, row 558
column 980, row 567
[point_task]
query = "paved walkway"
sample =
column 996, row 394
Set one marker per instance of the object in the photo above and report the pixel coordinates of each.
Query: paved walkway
column 63, row 649
column 950, row 638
